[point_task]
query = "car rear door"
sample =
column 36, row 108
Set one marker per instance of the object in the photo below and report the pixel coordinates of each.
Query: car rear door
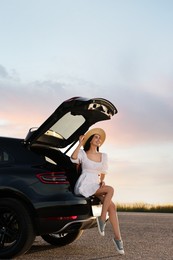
column 71, row 119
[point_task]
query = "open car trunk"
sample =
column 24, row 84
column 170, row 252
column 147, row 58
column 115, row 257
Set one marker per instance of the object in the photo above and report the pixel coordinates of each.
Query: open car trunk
column 59, row 133
column 70, row 120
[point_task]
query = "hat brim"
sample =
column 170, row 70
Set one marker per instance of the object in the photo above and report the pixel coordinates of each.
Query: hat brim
column 94, row 131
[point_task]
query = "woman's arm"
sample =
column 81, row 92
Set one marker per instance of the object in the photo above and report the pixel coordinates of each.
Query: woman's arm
column 74, row 155
column 102, row 176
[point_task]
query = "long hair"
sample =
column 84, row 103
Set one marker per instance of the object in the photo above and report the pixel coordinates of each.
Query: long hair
column 87, row 144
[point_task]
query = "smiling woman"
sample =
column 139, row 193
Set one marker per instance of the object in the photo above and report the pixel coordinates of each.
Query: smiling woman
column 94, row 166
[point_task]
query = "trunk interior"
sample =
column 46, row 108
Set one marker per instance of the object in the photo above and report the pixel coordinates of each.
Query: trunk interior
column 58, row 161
column 61, row 162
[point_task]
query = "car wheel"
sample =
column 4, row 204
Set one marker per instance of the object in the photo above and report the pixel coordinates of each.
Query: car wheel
column 62, row 239
column 16, row 229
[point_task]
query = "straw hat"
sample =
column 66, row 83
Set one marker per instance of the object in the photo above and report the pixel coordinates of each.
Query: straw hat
column 94, row 131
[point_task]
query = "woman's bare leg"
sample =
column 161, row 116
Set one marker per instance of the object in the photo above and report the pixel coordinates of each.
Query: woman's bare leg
column 114, row 222
column 108, row 192
column 113, row 217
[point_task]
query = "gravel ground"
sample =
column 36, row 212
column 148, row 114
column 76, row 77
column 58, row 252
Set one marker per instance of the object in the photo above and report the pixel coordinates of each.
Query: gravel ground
column 146, row 236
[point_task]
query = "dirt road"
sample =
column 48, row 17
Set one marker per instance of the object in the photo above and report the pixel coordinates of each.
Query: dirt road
column 146, row 236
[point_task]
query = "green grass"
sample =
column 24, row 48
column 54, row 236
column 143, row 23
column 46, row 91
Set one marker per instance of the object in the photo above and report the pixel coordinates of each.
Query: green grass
column 144, row 207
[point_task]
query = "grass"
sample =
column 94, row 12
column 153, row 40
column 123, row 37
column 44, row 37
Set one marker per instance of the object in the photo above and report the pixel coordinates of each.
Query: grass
column 144, row 207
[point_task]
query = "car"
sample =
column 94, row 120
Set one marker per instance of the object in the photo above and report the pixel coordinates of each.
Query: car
column 37, row 179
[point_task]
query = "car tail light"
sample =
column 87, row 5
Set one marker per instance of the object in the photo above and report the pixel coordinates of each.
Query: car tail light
column 63, row 218
column 53, row 178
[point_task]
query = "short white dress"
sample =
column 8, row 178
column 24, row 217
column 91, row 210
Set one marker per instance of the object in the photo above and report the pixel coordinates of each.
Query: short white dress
column 89, row 181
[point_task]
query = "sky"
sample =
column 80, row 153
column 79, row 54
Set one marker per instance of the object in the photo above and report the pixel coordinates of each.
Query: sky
column 120, row 50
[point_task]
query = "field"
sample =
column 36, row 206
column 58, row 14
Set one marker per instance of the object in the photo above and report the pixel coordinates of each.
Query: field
column 144, row 207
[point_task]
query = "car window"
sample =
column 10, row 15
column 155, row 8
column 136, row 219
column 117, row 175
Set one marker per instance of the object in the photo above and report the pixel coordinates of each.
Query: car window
column 66, row 126
column 5, row 157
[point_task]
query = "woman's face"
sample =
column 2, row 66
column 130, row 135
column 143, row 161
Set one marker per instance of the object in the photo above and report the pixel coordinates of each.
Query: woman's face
column 96, row 140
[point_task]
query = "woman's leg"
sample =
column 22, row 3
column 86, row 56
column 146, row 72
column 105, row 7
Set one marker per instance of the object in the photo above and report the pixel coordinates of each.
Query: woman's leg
column 114, row 222
column 113, row 217
column 108, row 192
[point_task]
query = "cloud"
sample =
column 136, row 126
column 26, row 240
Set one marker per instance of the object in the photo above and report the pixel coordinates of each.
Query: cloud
column 143, row 116
column 28, row 104
column 3, row 72
column 25, row 105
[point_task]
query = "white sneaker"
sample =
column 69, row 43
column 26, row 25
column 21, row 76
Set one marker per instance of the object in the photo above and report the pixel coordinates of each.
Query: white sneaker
column 101, row 226
column 119, row 246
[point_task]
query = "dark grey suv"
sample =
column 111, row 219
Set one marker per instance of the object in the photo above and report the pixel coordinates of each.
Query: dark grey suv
column 37, row 180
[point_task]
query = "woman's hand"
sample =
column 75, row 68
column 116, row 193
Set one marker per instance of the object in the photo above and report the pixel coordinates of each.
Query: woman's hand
column 102, row 176
column 81, row 138
column 102, row 184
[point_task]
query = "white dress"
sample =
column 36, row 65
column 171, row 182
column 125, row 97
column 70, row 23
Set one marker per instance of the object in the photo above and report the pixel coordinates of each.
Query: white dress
column 89, row 181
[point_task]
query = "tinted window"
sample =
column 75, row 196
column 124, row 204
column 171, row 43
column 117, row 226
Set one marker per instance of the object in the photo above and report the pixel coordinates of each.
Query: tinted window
column 66, row 126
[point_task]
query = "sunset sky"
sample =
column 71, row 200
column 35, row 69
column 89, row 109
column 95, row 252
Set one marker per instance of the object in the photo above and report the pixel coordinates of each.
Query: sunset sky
column 121, row 50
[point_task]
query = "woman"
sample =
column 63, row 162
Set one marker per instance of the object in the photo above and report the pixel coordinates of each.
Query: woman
column 91, row 181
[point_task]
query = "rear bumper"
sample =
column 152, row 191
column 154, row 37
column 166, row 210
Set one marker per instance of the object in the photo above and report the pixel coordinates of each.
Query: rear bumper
column 65, row 226
column 68, row 220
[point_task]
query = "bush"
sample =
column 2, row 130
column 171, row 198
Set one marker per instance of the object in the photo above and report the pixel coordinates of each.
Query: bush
column 144, row 207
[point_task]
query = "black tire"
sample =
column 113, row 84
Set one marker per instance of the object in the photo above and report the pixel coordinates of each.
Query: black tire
column 16, row 229
column 62, row 239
